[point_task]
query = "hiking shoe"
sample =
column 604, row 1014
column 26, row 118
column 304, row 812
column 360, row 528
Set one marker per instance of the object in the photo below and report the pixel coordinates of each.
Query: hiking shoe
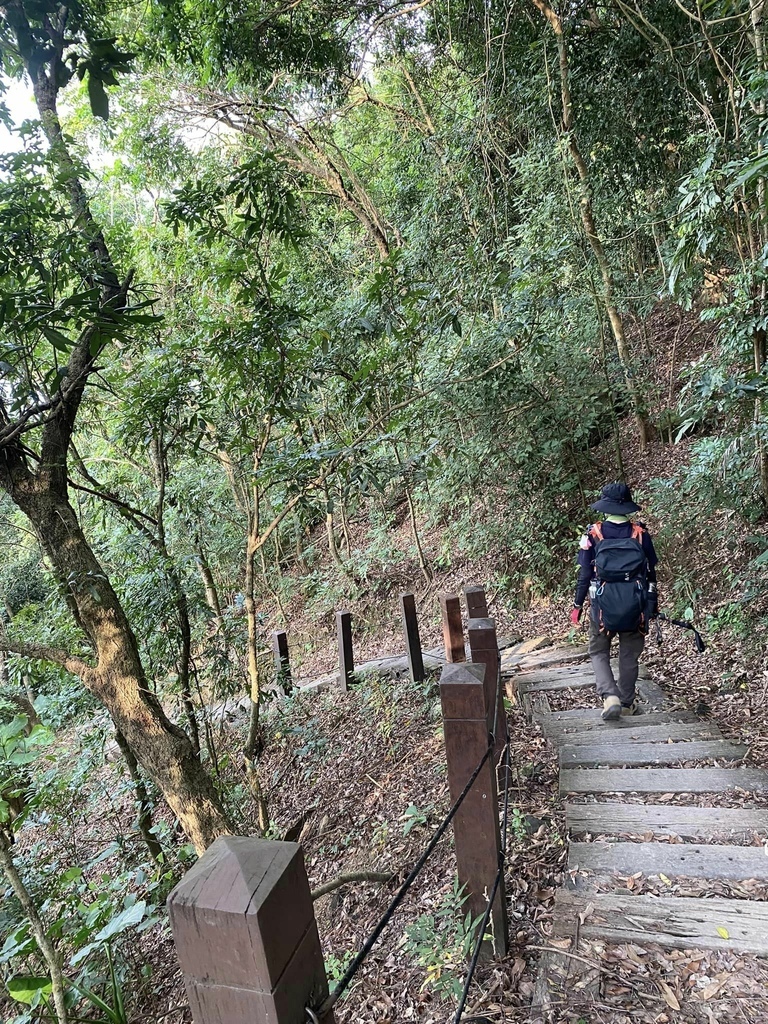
column 630, row 709
column 611, row 709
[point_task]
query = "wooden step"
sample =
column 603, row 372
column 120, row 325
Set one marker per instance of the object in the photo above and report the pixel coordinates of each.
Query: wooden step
column 547, row 674
column 680, row 860
column 617, row 752
column 649, row 693
column 590, row 717
column 547, row 658
column 633, row 733
column 673, row 922
column 664, row 819
column 662, row 780
column 575, row 682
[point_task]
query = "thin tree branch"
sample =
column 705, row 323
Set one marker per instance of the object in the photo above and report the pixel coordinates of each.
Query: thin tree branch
column 55, row 655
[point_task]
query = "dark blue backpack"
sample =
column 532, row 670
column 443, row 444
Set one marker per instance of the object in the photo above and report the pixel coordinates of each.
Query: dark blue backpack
column 619, row 594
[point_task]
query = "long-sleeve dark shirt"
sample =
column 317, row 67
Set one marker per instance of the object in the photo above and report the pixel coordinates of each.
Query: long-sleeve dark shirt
column 587, row 556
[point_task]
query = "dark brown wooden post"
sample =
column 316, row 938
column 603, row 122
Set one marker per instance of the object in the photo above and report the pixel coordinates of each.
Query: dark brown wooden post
column 346, row 656
column 245, row 934
column 412, row 638
column 477, row 836
column 453, row 631
column 477, row 605
column 484, row 650
column 282, row 661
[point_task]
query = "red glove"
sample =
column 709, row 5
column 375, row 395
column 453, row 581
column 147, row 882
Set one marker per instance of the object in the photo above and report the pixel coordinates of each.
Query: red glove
column 575, row 614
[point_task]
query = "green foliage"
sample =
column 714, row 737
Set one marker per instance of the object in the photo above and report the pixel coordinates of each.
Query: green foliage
column 415, row 817
column 442, row 942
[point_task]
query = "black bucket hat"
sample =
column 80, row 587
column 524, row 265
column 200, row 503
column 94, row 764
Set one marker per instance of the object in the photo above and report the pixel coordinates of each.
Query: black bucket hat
column 615, row 500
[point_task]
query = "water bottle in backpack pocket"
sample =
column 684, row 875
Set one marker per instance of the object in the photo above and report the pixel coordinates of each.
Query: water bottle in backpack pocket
column 621, row 595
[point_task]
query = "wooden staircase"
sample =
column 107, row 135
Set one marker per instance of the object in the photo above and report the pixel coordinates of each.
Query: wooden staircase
column 668, row 756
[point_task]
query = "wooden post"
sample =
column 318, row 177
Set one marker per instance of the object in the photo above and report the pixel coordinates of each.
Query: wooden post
column 282, row 660
column 245, row 934
column 477, row 605
column 453, row 632
column 477, row 836
column 484, row 650
column 412, row 638
column 346, row 655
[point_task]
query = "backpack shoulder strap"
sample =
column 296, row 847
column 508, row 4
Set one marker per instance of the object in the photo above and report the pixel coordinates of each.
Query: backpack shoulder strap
column 595, row 531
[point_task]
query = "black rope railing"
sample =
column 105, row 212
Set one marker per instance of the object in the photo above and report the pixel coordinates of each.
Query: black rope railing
column 346, row 979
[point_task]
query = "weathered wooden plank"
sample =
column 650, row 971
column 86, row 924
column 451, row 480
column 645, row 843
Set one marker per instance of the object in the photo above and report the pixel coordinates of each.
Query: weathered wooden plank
column 580, row 717
column 544, row 685
column 632, row 733
column 544, row 674
column 534, row 644
column 540, row 708
column 588, row 722
column 673, row 922
column 647, row 689
column 617, row 753
column 539, row 675
column 680, row 860
column 662, row 780
column 650, row 693
column 664, row 819
column 549, row 657
column 593, row 725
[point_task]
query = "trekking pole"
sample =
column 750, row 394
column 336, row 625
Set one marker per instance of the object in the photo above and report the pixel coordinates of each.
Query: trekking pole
column 700, row 645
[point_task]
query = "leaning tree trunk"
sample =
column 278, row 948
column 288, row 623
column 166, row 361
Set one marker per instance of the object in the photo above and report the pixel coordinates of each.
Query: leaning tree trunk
column 118, row 680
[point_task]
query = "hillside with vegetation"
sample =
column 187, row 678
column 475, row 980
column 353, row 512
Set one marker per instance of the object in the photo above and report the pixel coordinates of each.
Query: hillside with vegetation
column 306, row 305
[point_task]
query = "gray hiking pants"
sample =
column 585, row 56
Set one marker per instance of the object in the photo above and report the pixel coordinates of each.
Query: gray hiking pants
column 630, row 648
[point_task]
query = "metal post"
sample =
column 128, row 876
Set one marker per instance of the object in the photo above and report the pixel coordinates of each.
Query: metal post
column 412, row 638
column 453, row 632
column 346, row 655
column 245, row 934
column 477, row 836
column 282, row 660
column 484, row 650
column 477, row 605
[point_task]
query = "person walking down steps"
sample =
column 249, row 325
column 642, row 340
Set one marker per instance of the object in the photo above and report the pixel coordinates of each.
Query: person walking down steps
column 617, row 568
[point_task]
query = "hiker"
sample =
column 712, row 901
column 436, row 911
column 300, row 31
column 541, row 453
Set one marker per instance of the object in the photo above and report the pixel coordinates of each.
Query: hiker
column 617, row 568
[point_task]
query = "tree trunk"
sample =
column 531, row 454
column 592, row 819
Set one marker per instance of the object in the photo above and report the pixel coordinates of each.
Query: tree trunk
column 345, row 529
column 36, row 923
column 253, row 744
column 185, row 656
column 423, row 565
column 209, row 584
column 118, row 680
column 143, row 806
column 330, row 534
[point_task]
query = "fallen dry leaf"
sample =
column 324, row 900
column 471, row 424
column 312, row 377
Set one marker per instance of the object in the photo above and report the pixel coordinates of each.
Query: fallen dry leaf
column 669, row 995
